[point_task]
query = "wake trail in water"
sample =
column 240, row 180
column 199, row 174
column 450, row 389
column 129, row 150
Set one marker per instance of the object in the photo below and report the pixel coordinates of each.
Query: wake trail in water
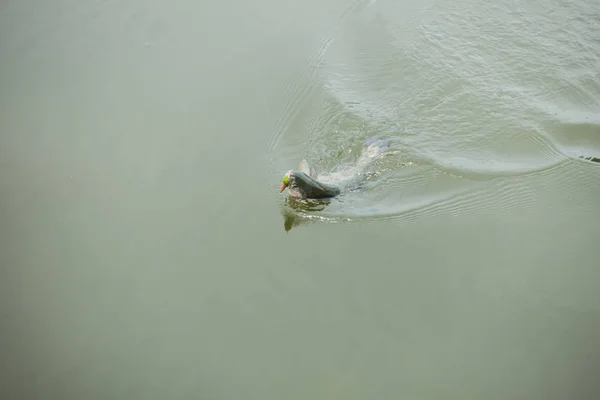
column 467, row 130
column 351, row 173
column 303, row 87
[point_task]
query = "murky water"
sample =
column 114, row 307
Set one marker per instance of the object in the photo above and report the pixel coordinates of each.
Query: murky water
column 146, row 251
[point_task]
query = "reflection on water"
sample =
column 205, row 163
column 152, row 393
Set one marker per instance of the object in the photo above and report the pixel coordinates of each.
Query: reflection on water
column 295, row 210
column 290, row 220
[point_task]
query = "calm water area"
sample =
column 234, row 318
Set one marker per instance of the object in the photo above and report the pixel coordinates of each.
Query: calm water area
column 146, row 252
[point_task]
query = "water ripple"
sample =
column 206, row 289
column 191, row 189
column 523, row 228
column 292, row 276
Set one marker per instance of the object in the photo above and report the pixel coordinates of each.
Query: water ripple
column 471, row 112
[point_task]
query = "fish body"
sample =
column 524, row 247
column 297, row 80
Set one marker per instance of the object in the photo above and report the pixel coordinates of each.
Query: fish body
column 306, row 187
column 302, row 183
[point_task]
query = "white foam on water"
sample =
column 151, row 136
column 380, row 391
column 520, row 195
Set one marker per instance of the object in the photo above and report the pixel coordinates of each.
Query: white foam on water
column 349, row 173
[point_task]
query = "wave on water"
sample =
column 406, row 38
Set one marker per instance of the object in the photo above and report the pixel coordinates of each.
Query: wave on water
column 348, row 175
column 410, row 121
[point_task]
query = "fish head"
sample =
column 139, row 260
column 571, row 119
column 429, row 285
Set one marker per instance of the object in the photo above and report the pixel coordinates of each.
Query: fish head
column 287, row 179
column 290, row 182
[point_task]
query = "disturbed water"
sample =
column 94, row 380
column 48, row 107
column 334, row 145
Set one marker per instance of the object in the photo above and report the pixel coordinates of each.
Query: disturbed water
column 474, row 110
column 142, row 147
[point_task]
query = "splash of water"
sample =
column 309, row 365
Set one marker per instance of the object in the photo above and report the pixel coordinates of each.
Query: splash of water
column 348, row 175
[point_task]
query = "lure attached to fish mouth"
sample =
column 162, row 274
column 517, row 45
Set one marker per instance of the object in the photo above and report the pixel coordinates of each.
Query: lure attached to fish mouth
column 302, row 185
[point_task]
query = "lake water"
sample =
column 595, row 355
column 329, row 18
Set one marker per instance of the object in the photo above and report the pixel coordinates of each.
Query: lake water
column 146, row 252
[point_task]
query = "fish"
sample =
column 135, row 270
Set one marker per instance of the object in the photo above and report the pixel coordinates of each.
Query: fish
column 302, row 184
